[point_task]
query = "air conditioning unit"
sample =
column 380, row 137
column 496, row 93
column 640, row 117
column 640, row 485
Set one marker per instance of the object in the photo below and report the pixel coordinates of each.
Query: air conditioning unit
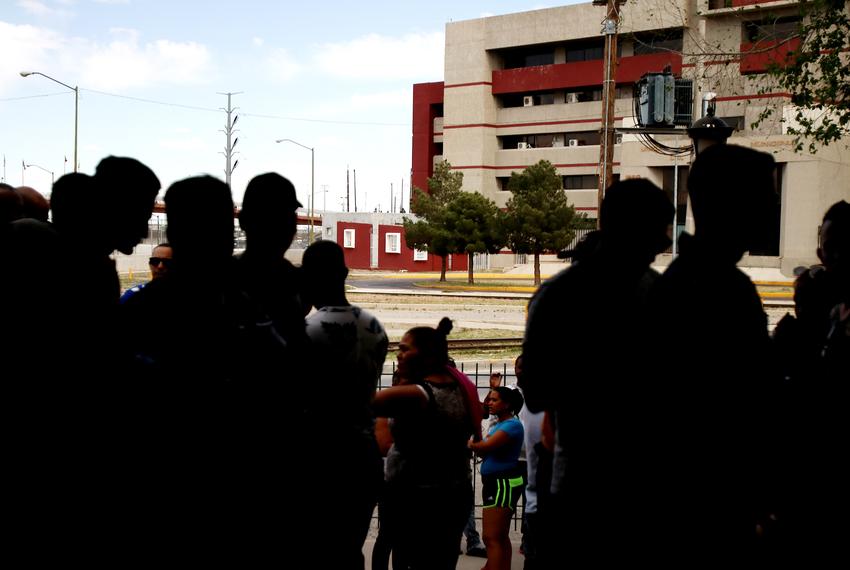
column 523, row 145
column 573, row 142
column 528, row 101
column 572, row 97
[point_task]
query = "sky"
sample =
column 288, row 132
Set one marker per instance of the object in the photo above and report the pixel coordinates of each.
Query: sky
column 334, row 76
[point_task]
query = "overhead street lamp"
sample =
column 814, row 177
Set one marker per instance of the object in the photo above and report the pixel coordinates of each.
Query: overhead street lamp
column 50, row 172
column 312, row 204
column 76, row 91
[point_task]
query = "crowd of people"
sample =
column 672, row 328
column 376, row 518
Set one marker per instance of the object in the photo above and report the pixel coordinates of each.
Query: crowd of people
column 230, row 400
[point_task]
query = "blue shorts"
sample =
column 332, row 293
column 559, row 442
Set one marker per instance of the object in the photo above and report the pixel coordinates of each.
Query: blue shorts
column 502, row 490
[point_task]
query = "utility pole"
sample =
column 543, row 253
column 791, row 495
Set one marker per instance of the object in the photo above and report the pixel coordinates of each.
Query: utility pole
column 324, row 197
column 609, row 93
column 401, row 198
column 355, row 189
column 347, row 209
column 229, row 166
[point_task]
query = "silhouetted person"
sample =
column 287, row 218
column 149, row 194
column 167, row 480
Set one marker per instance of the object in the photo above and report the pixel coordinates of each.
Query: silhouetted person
column 71, row 469
column 11, row 204
column 714, row 444
column 348, row 348
column 812, row 516
column 210, row 371
column 584, row 362
column 35, row 205
column 268, row 217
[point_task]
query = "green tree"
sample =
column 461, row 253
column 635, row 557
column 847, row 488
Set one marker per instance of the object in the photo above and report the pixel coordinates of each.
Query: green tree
column 817, row 76
column 429, row 231
column 538, row 218
column 473, row 225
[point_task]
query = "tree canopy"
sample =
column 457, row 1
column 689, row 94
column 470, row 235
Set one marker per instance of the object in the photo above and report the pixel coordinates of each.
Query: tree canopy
column 538, row 219
column 816, row 74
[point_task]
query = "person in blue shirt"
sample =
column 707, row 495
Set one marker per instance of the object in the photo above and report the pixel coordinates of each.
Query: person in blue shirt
column 502, row 475
column 159, row 262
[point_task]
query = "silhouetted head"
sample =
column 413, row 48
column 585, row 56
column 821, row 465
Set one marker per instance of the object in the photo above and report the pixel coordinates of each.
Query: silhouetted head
column 36, row 206
column 268, row 213
column 834, row 250
column 200, row 222
column 733, row 198
column 126, row 193
column 502, row 398
column 160, row 260
column 424, row 350
column 11, row 204
column 324, row 272
column 635, row 218
column 70, row 203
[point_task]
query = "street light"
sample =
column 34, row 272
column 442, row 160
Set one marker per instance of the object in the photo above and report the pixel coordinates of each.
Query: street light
column 312, row 182
column 709, row 130
column 76, row 91
column 50, row 172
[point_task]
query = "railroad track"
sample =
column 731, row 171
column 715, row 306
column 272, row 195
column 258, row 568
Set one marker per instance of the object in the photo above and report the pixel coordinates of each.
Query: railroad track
column 476, row 343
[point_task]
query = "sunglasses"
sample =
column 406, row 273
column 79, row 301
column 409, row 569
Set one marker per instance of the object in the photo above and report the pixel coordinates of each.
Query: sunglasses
column 157, row 260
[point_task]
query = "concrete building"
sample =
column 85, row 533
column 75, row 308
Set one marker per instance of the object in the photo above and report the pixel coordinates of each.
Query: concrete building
column 523, row 87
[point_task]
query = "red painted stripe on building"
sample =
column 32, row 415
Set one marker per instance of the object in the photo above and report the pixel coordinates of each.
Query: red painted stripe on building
column 748, row 97
column 533, row 124
column 470, row 126
column 587, row 209
column 468, row 84
column 521, row 167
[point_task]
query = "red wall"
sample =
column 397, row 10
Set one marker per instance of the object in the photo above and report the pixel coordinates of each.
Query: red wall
column 579, row 73
column 426, row 98
column 404, row 260
column 358, row 257
column 759, row 62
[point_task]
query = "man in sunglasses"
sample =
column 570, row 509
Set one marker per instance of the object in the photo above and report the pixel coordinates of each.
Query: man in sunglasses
column 160, row 262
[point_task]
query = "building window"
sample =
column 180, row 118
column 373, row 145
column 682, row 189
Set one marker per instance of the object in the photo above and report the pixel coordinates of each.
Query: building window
column 393, row 243
column 771, row 30
column 581, row 182
column 587, row 50
column 657, row 42
column 348, row 238
column 420, row 255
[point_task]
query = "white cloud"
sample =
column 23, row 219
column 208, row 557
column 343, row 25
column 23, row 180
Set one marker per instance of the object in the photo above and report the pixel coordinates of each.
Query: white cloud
column 125, row 62
column 281, row 65
column 373, row 56
column 258, row 42
column 35, row 7
column 25, row 48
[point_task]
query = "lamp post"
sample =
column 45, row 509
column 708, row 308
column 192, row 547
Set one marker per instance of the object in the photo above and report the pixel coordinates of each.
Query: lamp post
column 709, row 130
column 76, row 91
column 312, row 203
column 50, row 172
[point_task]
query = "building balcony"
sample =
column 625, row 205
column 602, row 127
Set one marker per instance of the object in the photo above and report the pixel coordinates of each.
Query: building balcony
column 553, row 118
column 579, row 74
column 765, row 54
column 754, row 4
column 562, row 157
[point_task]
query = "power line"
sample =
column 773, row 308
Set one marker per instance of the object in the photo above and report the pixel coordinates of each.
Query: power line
column 257, row 115
column 152, row 101
column 35, row 96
